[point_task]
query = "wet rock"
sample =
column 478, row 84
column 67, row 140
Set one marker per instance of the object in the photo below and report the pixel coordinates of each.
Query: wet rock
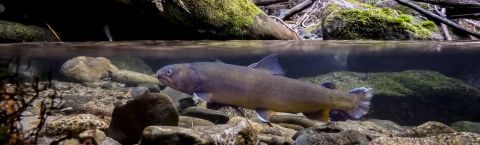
column 388, row 124
column 73, row 124
column 17, row 32
column 129, row 119
column 91, row 84
column 109, row 141
column 232, row 112
column 96, row 108
column 233, row 134
column 180, row 100
column 451, row 138
column 187, row 122
column 151, row 87
column 87, row 69
column 343, row 137
column 174, row 135
column 131, row 78
column 131, row 64
column 96, row 134
column 291, row 126
column 70, row 107
column 264, row 128
column 427, row 129
column 466, row 126
column 293, row 119
column 368, row 128
column 411, row 97
column 28, row 68
column 138, row 92
column 275, row 140
column 207, row 114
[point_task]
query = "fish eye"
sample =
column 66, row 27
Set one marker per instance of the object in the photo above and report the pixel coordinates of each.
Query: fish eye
column 169, row 72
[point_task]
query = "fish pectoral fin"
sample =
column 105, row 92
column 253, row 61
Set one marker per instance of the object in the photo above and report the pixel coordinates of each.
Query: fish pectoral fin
column 203, row 96
column 269, row 64
column 322, row 115
column 329, row 85
column 264, row 114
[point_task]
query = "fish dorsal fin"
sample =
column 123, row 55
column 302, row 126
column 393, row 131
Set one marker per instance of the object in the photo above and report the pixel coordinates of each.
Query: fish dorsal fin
column 329, row 85
column 270, row 64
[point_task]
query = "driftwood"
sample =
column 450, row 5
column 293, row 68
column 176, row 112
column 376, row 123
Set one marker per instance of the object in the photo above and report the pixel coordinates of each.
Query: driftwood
column 454, row 3
column 436, row 17
column 444, row 27
column 267, row 2
column 296, row 9
column 474, row 15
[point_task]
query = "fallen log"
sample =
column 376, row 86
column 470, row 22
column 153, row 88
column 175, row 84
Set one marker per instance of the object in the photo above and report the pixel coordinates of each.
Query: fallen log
column 298, row 8
column 438, row 18
column 267, row 2
column 226, row 19
column 454, row 3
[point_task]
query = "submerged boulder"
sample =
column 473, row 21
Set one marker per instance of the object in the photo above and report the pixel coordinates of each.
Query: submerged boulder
column 411, row 97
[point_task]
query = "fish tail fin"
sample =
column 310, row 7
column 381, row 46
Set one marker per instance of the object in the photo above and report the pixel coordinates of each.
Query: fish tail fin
column 363, row 97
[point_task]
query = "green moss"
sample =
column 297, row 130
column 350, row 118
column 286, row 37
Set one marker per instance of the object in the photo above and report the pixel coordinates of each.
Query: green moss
column 405, row 18
column 407, row 10
column 430, row 25
column 378, row 23
column 395, row 84
column 230, row 17
column 16, row 32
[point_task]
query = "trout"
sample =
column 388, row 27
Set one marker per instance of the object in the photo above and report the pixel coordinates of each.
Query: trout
column 263, row 87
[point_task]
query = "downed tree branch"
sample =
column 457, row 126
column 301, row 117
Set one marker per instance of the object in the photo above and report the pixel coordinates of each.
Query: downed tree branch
column 472, row 23
column 436, row 17
column 474, row 15
column 444, row 27
column 267, row 2
column 296, row 9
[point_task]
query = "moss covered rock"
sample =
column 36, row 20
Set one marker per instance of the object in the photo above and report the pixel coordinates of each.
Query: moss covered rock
column 16, row 32
column 411, row 97
column 375, row 23
column 226, row 19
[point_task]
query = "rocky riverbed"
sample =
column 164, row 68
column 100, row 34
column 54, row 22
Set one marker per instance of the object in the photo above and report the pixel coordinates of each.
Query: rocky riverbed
column 118, row 101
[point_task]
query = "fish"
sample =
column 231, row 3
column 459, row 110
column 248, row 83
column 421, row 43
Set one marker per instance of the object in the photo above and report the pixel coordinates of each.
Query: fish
column 264, row 88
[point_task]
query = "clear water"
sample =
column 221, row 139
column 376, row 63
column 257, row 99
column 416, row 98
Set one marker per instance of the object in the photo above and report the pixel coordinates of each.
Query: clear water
column 443, row 98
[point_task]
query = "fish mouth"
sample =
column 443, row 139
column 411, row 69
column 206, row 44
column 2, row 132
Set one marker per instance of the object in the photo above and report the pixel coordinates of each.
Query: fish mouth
column 163, row 79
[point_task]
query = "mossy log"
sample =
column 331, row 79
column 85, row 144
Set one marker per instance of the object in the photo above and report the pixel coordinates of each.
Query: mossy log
column 227, row 19
column 16, row 32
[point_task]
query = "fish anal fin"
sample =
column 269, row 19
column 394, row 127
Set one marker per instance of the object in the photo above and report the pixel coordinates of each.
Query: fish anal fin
column 203, row 96
column 264, row 114
column 329, row 85
column 322, row 115
column 269, row 64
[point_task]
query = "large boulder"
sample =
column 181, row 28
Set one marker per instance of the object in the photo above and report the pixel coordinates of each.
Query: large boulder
column 17, row 32
column 411, row 97
column 130, row 119
column 87, row 69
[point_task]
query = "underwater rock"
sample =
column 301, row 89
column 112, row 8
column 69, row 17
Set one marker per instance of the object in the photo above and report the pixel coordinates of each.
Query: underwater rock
column 427, row 129
column 17, row 32
column 87, row 69
column 28, row 68
column 131, row 64
column 240, row 19
column 73, row 124
column 152, row 135
column 264, row 128
column 466, row 126
column 187, row 122
column 291, row 126
column 109, row 141
column 451, row 138
column 238, row 133
column 231, row 111
column 388, row 124
column 207, row 114
column 368, row 128
column 131, row 78
column 129, row 119
column 138, row 92
column 98, row 135
column 343, row 137
column 180, row 100
column 411, row 97
column 151, row 87
column 274, row 140
column 293, row 119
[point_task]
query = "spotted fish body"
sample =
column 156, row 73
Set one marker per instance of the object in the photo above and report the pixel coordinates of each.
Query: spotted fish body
column 262, row 87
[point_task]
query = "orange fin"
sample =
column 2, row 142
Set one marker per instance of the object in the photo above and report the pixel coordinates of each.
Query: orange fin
column 322, row 115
